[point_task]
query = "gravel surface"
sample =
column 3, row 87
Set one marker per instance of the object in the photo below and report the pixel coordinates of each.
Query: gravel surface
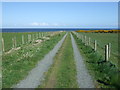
column 83, row 77
column 36, row 75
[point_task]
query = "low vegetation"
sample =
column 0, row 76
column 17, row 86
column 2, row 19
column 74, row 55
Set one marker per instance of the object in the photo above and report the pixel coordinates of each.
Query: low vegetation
column 102, row 40
column 104, row 72
column 62, row 73
column 100, row 31
column 17, row 64
column 8, row 42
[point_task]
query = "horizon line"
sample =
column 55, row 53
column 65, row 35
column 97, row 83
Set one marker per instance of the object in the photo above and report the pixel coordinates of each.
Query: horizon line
column 60, row 0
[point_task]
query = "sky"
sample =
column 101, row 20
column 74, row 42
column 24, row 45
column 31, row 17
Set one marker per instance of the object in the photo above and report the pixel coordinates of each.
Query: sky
column 60, row 14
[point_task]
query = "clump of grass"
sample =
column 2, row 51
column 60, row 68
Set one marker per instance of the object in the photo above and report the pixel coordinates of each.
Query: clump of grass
column 102, row 70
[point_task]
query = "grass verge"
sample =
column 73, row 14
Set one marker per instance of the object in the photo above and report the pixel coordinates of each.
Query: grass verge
column 16, row 65
column 105, row 73
column 102, row 40
column 62, row 73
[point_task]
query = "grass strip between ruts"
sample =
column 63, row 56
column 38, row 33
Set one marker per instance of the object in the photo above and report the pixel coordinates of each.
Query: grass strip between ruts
column 62, row 73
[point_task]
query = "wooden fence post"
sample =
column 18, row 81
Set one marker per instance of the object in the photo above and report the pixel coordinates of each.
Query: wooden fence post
column 13, row 42
column 28, row 37
column 89, row 41
column 42, row 34
column 39, row 35
column 109, row 49
column 82, row 38
column 85, row 40
column 33, row 37
column 106, row 52
column 36, row 35
column 77, row 35
column 3, row 47
column 23, row 39
column 95, row 45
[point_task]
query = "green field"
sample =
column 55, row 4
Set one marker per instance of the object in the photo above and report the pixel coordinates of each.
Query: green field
column 102, row 40
column 105, row 73
column 24, row 59
column 8, row 43
column 62, row 73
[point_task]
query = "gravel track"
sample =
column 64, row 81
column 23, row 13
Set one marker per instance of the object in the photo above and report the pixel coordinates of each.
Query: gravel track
column 83, row 77
column 36, row 75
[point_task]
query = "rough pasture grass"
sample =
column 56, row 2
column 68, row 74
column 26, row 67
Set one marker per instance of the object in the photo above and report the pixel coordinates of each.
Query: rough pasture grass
column 16, row 65
column 8, row 38
column 62, row 73
column 102, row 40
column 105, row 73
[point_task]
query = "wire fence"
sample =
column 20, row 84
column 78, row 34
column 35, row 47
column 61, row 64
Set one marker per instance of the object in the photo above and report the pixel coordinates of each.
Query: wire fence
column 104, row 50
column 18, row 39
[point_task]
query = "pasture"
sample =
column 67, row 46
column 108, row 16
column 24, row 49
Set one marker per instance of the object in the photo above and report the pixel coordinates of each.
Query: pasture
column 21, row 38
column 102, row 40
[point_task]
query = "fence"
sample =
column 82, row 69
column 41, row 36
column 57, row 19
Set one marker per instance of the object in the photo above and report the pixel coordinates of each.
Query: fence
column 19, row 39
column 104, row 51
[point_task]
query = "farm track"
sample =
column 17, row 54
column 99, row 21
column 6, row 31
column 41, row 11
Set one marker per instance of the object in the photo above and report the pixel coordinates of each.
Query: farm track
column 36, row 75
column 52, row 79
column 62, row 74
column 83, row 77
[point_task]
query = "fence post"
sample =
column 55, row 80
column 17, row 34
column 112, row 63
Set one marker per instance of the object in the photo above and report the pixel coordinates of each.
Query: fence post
column 42, row 34
column 30, row 37
column 39, row 35
column 82, row 38
column 33, row 37
column 109, row 49
column 89, row 41
column 77, row 35
column 36, row 35
column 95, row 45
column 106, row 52
column 85, row 40
column 23, row 39
column 13, row 42
column 3, row 48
